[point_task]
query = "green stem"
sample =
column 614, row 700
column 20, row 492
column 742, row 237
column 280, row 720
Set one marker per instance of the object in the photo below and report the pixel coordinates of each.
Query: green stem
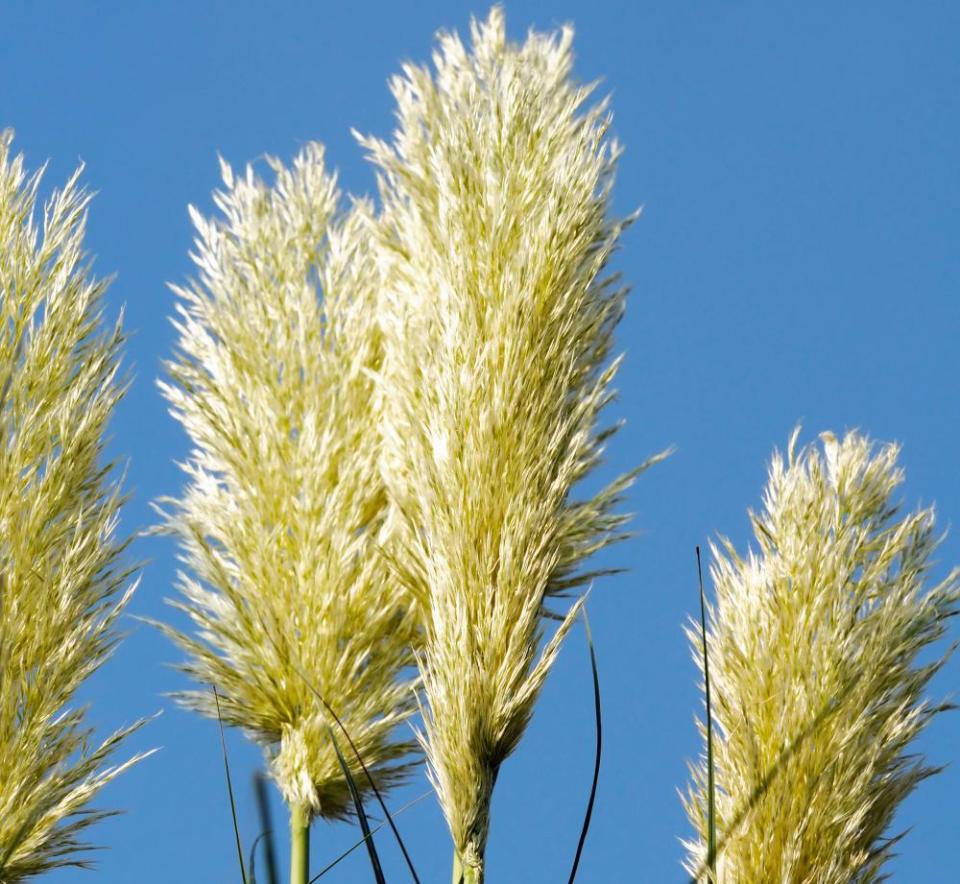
column 465, row 874
column 299, row 846
column 457, row 868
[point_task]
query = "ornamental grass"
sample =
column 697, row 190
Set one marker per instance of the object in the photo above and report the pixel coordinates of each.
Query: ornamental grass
column 296, row 621
column 392, row 410
column 818, row 645
column 497, row 312
column 62, row 580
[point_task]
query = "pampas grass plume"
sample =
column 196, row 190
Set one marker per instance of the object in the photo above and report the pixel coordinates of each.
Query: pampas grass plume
column 62, row 583
column 819, row 643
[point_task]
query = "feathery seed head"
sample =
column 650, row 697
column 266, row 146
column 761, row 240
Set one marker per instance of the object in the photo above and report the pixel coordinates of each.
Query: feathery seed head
column 281, row 519
column 497, row 316
column 816, row 691
column 61, row 578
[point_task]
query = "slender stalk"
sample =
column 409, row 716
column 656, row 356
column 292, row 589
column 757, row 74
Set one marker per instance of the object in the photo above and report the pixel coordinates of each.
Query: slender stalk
column 457, row 869
column 299, row 845
column 711, row 766
column 465, row 874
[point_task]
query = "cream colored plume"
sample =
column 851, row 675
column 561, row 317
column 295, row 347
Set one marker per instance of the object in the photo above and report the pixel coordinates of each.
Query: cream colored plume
column 61, row 577
column 281, row 519
column 497, row 314
column 817, row 689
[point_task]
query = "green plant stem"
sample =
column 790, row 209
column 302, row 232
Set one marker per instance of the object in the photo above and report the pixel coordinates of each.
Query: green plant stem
column 299, row 846
column 457, row 869
column 465, row 874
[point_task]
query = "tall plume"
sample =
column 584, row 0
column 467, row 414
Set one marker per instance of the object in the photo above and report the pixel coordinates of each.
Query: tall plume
column 62, row 581
column 818, row 692
column 497, row 314
column 281, row 518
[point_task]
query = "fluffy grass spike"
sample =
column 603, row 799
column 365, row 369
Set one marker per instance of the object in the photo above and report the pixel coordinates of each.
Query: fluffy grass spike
column 815, row 642
column 62, row 581
column 497, row 313
column 282, row 516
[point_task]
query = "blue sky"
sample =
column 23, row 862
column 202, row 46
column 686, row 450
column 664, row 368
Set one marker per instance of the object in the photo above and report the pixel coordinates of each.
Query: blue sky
column 796, row 261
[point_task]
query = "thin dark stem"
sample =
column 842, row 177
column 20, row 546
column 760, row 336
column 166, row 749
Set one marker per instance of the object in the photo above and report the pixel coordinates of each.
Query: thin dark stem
column 711, row 774
column 363, row 840
column 599, row 750
column 233, row 806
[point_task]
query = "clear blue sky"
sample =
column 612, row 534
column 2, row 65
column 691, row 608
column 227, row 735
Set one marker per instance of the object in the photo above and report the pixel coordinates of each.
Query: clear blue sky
column 796, row 260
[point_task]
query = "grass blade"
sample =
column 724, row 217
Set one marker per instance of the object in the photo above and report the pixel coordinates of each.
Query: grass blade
column 361, row 816
column 596, row 763
column 266, row 830
column 233, row 806
column 363, row 840
column 711, row 773
column 252, row 859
